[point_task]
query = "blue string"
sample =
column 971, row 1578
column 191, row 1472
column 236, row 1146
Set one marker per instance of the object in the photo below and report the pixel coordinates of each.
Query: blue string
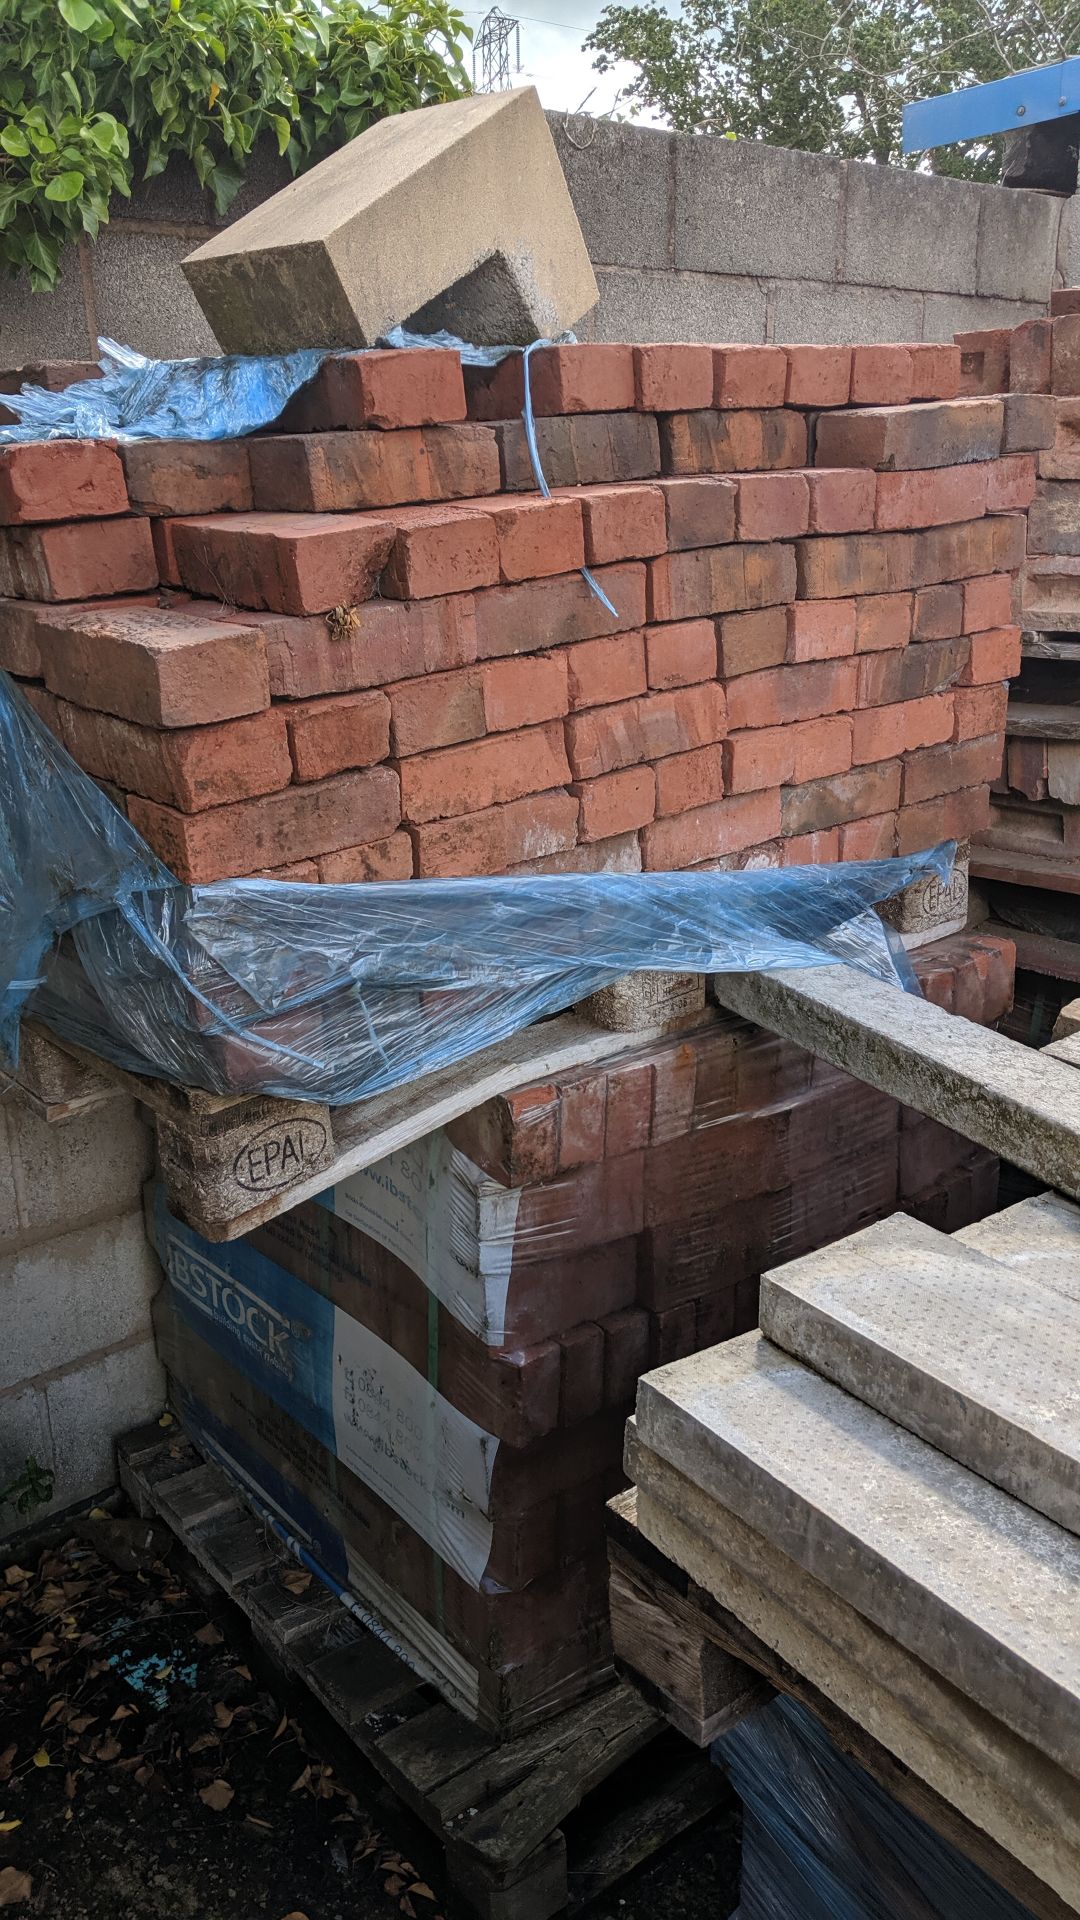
column 538, row 472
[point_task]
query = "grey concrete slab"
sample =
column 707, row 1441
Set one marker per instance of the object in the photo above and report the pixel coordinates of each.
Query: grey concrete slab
column 1000, row 1782
column 647, row 305
column 744, row 207
column 895, row 222
column 1018, row 234
column 1021, row 1104
column 976, row 1358
column 1038, row 1238
column 621, row 181
column 947, row 313
column 980, row 1587
column 806, row 313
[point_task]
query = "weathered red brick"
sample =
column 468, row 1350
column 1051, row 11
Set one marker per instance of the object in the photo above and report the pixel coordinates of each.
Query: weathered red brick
column 878, row 733
column 708, row 833
column 339, row 472
column 622, row 523
column 388, row 859
column 947, row 769
column 882, row 620
column 393, row 387
column 934, row 433
column 580, row 450
column 819, row 377
column 748, row 441
column 773, row 506
column 821, row 629
column 540, row 614
column 188, row 476
column 929, row 720
column 720, row 580
column 932, row 499
column 186, row 767
column 750, row 642
column 951, row 816
column 669, row 379
column 939, row 612
column 496, row 838
column 881, row 376
column 1010, row 483
column 749, row 376
column 700, row 511
column 811, row 849
column 935, row 371
column 484, row 773
column 836, row 566
column 606, row 738
column 978, row 711
column 993, row 656
column 842, row 499
column 437, row 710
column 783, row 694
column 333, row 734
column 1029, row 357
column 21, row 620
column 909, row 673
column 525, row 691
column 776, row 756
column 536, row 536
column 600, row 672
column 688, row 780
column 370, row 645
column 77, row 559
column 158, row 668
column 297, row 824
column 60, row 480
column 681, row 654
column 439, row 550
column 584, row 378
column 987, row 603
column 871, row 839
column 288, row 563
column 616, row 802
column 984, row 360
column 840, row 797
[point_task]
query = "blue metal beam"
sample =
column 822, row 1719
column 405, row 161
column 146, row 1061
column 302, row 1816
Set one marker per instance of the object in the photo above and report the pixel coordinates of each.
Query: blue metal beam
column 1001, row 106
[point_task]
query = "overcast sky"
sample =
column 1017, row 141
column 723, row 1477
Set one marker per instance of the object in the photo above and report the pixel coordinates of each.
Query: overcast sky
column 552, row 33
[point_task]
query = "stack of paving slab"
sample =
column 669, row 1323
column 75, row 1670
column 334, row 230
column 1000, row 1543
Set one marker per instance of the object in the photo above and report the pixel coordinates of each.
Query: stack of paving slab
column 360, row 646
column 426, row 1372
column 883, row 1484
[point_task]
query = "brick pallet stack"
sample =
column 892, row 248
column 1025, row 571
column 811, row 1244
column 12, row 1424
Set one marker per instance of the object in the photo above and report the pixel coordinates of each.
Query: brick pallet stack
column 363, row 648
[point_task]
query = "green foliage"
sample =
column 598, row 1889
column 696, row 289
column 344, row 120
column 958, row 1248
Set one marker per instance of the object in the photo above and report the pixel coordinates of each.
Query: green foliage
column 35, row 1484
column 829, row 76
column 95, row 94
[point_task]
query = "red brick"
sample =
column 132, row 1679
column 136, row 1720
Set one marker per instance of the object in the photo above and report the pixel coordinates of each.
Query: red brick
column 909, row 673
column 882, row 620
column 188, row 767
column 439, row 550
column 947, row 769
column 514, row 1136
column 569, row 379
column 581, row 1108
column 581, row 450
column 1062, row 300
column 686, row 780
column 708, row 833
column 392, row 387
column 818, row 376
column 22, row 620
column 934, row 498
column 821, row 629
column 296, row 824
column 679, row 655
column 871, row 839
column 831, row 801
column 159, row 669
column 811, row 849
column 750, row 642
column 1027, row 768
column 881, row 377
column 600, row 672
column 987, row 603
column 1029, row 357
column 188, row 476
column 943, row 433
column 979, row 710
column 387, row 859
column 878, row 733
column 622, row 523
column 834, row 567
column 619, row 855
column 935, row 371
column 606, row 738
column 773, row 506
column 939, row 612
column 952, row 816
column 374, row 644
column 616, row 803
column 339, row 472
column 776, row 756
column 748, row 441
column 437, row 710
column 77, row 560
column 60, row 480
column 537, row 537
column 842, row 499
column 525, row 691
column 540, row 614
column 984, row 360
column 484, row 773
column 930, row 720
column 331, row 735
column 783, row 694
column 165, row 552
column 669, row 379
column 994, row 656
column 1008, row 533
column 1010, row 483
column 700, row 511
column 749, row 376
column 288, row 563
column 720, row 580
column 628, row 1113
column 497, row 838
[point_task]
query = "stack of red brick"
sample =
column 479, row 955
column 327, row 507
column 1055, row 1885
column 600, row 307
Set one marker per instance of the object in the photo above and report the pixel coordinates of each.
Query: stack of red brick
column 361, row 646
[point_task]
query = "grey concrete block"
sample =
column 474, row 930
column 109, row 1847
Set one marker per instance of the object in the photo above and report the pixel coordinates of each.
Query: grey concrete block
column 929, row 908
column 804, row 313
column 979, row 1360
column 46, row 326
column 176, row 199
column 905, row 229
column 24, row 1433
column 948, row 313
column 67, row 1176
column 69, row 1296
column 622, row 183
column 1039, row 1238
column 653, row 1002
column 90, row 1407
column 679, row 306
column 976, row 1584
column 1018, row 233
column 142, row 296
column 744, row 207
column 1068, row 244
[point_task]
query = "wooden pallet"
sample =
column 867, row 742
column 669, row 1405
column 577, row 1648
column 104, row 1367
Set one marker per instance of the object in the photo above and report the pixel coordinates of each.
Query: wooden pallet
column 520, row 1837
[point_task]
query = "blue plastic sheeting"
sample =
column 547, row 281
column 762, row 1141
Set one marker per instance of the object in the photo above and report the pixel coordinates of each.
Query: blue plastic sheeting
column 822, row 1841
column 333, row 993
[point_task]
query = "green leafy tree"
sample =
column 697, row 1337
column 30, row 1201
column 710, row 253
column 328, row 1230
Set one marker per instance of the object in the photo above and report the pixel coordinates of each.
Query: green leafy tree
column 96, row 94
column 829, row 76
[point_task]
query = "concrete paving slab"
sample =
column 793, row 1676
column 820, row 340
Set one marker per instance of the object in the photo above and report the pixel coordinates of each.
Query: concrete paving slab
column 977, row 1358
column 455, row 216
column 982, row 1588
column 1039, row 1237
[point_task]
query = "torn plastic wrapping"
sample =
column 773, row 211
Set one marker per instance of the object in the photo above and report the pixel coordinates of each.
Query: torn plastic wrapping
column 335, row 993
column 823, row 1841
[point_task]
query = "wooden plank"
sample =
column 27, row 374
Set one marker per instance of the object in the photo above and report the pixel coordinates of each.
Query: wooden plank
column 1043, row 645
column 1018, row 1103
column 658, row 1633
column 660, row 1811
column 1025, row 869
column 1041, row 720
column 1043, row 953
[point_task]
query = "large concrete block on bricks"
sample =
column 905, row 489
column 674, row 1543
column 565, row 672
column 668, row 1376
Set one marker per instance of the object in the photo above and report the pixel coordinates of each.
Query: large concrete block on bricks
column 90, row 1406
column 743, row 207
column 621, row 181
column 972, row 1581
column 456, row 215
column 906, row 229
column 1039, row 1237
column 976, row 1359
column 70, row 1295
column 65, row 1177
column 1017, row 244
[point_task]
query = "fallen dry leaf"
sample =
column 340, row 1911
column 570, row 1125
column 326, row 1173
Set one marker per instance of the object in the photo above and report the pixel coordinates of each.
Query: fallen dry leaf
column 6, row 1761
column 422, row 1890
column 16, row 1576
column 41, row 1758
column 278, row 1730
column 223, row 1715
column 217, row 1795
column 296, row 1579
column 69, row 1785
column 14, row 1886
column 204, row 1740
column 9, row 1826
column 209, row 1636
column 123, row 1713
column 108, row 1749
column 54, row 1707
column 81, row 1722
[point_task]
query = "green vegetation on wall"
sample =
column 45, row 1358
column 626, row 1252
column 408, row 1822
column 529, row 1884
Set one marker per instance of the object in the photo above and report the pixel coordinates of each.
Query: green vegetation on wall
column 97, row 94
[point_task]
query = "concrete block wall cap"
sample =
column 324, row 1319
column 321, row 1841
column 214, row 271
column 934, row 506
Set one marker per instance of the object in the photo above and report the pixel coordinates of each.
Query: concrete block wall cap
column 455, row 216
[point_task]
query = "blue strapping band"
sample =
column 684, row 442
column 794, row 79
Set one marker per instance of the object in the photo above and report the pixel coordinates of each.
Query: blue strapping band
column 538, row 472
